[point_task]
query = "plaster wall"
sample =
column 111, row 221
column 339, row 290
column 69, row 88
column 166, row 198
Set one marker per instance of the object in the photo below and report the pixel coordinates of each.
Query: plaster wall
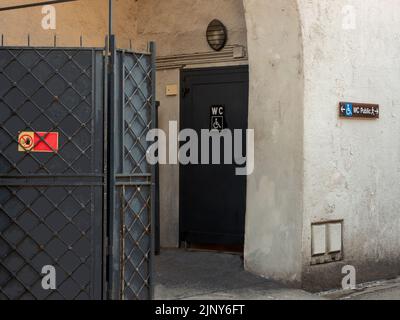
column 169, row 174
column 352, row 167
column 179, row 26
column 88, row 18
column 275, row 200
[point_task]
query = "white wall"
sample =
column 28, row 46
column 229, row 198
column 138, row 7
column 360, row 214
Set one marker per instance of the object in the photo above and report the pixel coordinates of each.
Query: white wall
column 352, row 168
column 274, row 195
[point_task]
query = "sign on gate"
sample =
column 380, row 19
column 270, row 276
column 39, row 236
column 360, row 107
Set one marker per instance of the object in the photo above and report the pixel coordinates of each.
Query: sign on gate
column 38, row 142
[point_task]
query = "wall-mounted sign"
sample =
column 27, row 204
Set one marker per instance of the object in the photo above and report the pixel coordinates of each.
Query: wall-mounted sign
column 358, row 110
column 217, row 121
column 38, row 142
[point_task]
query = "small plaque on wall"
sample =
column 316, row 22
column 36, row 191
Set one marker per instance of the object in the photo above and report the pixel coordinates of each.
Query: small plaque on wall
column 352, row 110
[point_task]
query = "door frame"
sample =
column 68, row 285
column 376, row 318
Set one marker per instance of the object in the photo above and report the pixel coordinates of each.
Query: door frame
column 211, row 70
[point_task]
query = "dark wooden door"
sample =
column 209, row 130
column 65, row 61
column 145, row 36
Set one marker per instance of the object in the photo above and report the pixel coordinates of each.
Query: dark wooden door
column 213, row 197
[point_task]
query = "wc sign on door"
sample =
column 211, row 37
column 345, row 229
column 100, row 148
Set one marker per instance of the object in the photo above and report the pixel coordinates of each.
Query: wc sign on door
column 217, row 121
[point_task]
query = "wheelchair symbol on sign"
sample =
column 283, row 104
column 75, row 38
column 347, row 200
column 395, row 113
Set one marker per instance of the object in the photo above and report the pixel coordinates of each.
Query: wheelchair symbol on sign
column 349, row 110
column 217, row 123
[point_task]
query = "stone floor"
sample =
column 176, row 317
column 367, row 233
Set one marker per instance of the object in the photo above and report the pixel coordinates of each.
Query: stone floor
column 207, row 276
column 185, row 275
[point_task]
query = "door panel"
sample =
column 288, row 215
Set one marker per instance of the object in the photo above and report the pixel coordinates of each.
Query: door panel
column 213, row 197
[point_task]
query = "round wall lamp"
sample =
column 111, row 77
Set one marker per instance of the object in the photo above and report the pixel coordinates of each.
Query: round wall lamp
column 217, row 35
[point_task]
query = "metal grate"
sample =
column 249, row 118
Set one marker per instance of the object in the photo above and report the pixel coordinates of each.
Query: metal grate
column 135, row 181
column 51, row 90
column 51, row 203
column 45, row 226
column 137, row 112
column 136, row 242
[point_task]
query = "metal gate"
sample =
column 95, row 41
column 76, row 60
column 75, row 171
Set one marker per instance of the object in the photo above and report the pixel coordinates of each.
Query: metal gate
column 85, row 207
column 131, row 182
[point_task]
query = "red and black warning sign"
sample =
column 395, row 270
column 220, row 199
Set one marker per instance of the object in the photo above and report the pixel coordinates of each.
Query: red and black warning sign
column 38, row 142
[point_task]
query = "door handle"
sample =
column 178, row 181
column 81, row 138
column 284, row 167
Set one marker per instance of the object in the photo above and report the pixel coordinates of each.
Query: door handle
column 185, row 92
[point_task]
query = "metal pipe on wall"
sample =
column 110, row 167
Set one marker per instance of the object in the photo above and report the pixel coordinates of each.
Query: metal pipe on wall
column 110, row 17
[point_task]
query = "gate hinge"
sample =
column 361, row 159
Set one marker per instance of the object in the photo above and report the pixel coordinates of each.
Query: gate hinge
column 108, row 251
